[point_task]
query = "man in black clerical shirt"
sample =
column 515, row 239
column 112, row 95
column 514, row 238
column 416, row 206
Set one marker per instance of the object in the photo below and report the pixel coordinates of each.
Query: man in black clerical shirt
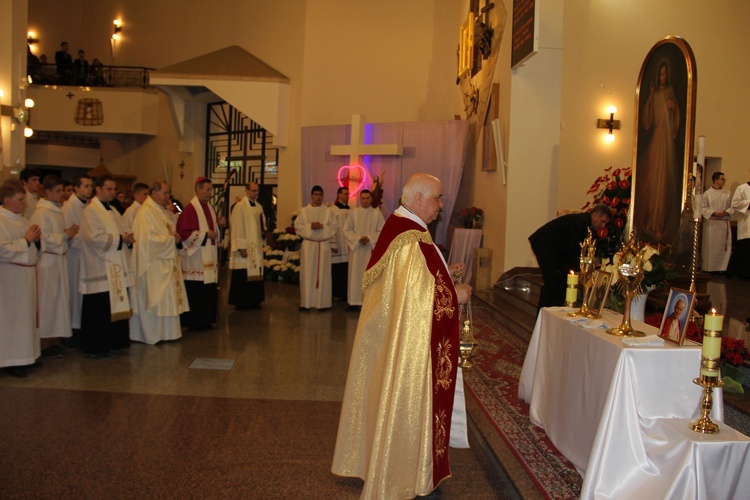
column 340, row 257
column 557, row 248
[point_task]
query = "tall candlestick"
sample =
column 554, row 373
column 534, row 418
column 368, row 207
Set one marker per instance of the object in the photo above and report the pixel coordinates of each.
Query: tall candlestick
column 710, row 357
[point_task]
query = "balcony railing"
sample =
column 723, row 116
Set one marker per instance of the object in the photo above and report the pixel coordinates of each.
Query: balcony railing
column 91, row 76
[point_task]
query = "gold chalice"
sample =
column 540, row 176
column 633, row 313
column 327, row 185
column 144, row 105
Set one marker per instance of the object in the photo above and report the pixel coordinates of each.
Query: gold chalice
column 630, row 275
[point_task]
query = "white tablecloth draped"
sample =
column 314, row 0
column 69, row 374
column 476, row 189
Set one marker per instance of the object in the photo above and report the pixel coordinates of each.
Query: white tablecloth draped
column 609, row 409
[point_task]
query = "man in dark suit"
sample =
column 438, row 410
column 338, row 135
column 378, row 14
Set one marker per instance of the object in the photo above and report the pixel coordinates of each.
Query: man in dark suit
column 64, row 62
column 557, row 248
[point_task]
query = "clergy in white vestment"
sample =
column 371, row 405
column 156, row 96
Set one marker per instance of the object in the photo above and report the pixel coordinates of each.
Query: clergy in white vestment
column 72, row 211
column 339, row 248
column 361, row 230
column 106, row 275
column 160, row 291
column 52, row 269
column 19, row 337
column 316, row 225
column 247, row 224
column 140, row 193
column 198, row 227
column 32, row 183
column 739, row 264
column 717, row 233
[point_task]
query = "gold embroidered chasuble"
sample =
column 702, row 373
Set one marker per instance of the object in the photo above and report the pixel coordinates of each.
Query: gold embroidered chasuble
column 396, row 415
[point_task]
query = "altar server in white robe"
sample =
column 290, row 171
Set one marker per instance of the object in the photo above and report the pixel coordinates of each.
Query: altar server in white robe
column 316, row 225
column 199, row 228
column 717, row 233
column 340, row 257
column 160, row 291
column 106, row 275
column 739, row 265
column 247, row 225
column 52, row 269
column 32, row 183
column 140, row 193
column 19, row 337
column 361, row 231
column 72, row 211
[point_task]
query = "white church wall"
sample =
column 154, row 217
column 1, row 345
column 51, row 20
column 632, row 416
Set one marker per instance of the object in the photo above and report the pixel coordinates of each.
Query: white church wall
column 533, row 157
column 605, row 45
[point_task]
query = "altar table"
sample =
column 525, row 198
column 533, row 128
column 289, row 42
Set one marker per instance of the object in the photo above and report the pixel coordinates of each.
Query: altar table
column 616, row 413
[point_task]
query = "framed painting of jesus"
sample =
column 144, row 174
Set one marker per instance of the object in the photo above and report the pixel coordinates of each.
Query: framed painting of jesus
column 663, row 150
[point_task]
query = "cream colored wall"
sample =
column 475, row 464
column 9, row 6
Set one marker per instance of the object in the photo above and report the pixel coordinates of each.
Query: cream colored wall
column 12, row 57
column 389, row 60
column 160, row 33
column 605, row 45
column 484, row 189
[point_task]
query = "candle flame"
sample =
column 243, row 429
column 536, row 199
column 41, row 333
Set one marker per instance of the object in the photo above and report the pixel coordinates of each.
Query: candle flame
column 713, row 311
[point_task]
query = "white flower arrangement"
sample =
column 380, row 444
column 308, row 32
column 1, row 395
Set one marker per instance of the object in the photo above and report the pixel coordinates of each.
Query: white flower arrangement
column 612, row 265
column 289, row 237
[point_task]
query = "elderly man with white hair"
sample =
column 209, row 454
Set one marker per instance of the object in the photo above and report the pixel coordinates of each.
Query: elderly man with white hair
column 403, row 383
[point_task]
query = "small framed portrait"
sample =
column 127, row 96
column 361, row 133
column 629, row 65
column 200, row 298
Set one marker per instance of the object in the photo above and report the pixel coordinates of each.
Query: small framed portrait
column 676, row 315
column 599, row 291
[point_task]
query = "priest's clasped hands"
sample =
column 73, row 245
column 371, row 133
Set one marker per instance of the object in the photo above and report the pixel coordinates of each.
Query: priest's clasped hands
column 33, row 234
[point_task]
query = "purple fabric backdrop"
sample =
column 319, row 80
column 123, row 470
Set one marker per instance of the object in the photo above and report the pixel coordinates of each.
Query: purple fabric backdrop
column 436, row 147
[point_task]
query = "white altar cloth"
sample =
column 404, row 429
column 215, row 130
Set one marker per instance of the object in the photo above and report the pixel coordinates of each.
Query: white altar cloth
column 604, row 405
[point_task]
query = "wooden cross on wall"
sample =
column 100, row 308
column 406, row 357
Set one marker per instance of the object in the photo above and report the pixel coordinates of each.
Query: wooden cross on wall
column 356, row 149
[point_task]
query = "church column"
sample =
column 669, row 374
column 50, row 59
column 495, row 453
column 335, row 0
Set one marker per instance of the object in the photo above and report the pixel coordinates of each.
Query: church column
column 13, row 22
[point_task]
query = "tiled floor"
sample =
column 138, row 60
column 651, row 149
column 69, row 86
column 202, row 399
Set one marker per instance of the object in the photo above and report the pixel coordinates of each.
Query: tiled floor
column 278, row 353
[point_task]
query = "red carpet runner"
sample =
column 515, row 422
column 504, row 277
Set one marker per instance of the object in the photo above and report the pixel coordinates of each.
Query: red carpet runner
column 494, row 383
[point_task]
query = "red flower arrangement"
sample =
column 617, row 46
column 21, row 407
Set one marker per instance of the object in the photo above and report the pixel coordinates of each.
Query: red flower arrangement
column 471, row 217
column 613, row 189
column 733, row 351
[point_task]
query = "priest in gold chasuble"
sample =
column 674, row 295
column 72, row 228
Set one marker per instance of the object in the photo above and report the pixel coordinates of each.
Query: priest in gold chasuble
column 396, row 415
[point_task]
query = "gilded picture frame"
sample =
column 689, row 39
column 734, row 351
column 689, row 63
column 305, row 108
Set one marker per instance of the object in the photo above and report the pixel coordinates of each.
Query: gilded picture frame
column 677, row 312
column 599, row 291
column 664, row 128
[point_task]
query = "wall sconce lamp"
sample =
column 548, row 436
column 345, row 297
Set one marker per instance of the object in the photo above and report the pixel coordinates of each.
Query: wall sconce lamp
column 21, row 114
column 31, row 38
column 610, row 124
column 115, row 37
column 117, row 29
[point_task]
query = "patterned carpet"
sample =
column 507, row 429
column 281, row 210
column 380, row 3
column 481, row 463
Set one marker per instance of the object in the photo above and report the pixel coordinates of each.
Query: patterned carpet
column 494, row 384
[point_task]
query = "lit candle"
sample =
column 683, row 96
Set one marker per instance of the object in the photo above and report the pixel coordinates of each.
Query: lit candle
column 571, row 294
column 713, row 321
column 712, row 325
column 572, row 278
